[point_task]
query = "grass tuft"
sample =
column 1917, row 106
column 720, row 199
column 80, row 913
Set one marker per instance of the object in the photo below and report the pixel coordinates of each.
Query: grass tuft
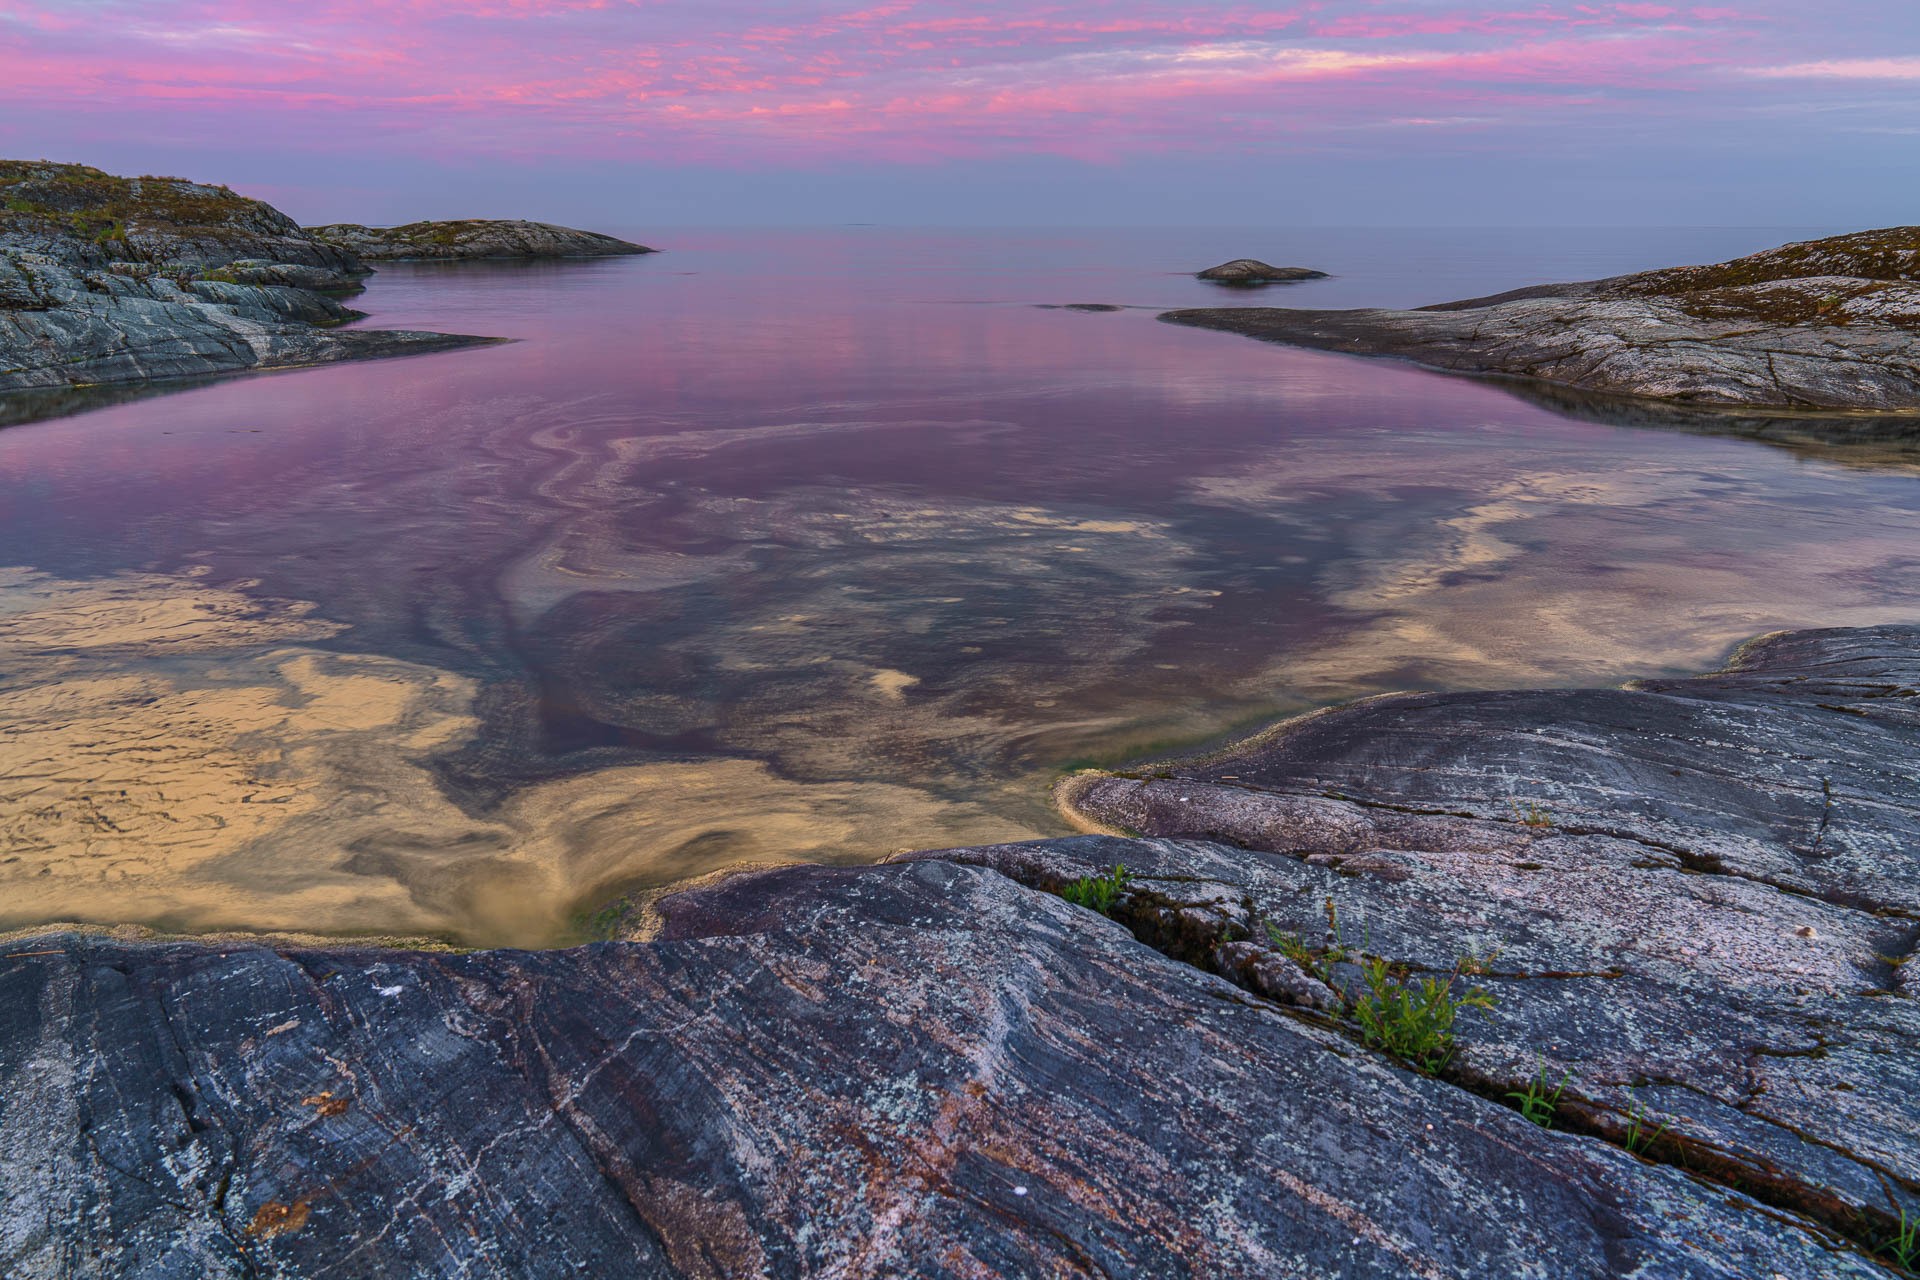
column 1413, row 1021
column 1531, row 814
column 1394, row 1014
column 1903, row 1246
column 1101, row 892
column 1539, row 1102
column 1638, row 1139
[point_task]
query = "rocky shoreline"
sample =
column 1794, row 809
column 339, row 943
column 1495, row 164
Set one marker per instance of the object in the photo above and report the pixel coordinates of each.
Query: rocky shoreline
column 1690, row 906
column 1823, row 325
column 110, row 280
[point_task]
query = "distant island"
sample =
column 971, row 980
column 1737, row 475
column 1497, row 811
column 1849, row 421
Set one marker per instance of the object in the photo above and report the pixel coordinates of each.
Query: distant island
column 1822, row 325
column 471, row 240
column 106, row 279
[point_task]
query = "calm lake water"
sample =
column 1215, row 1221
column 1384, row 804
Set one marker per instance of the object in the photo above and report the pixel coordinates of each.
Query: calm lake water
column 822, row 544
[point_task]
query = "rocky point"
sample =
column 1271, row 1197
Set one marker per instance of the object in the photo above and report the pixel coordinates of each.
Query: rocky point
column 1823, row 325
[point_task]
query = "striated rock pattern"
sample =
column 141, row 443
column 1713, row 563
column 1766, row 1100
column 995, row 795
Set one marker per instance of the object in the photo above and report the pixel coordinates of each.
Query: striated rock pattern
column 63, row 328
column 470, row 239
column 1825, row 325
column 108, row 280
column 1254, row 271
column 921, row 1069
column 1693, row 903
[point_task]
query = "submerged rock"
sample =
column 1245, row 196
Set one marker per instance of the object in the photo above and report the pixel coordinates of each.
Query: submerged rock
column 473, row 238
column 1692, row 902
column 106, row 279
column 1827, row 324
column 1253, row 271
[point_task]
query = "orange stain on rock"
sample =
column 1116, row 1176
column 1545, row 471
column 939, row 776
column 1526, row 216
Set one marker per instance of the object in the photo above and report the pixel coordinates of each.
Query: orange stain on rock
column 275, row 1219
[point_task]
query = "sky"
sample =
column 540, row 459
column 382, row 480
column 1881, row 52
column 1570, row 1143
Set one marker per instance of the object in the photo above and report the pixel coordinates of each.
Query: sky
column 940, row 112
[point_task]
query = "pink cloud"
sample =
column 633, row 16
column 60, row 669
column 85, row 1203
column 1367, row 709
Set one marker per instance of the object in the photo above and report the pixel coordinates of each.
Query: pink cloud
column 1844, row 69
column 901, row 80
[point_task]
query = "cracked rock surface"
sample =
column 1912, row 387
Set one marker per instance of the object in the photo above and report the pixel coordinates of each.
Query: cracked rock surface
column 122, row 280
column 1822, row 325
column 1692, row 901
column 919, row 1069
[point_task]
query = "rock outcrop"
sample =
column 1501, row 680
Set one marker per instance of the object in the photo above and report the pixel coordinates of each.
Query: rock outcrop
column 1824, row 325
column 1694, row 901
column 1252, row 271
column 1692, row 904
column 471, row 239
column 106, row 279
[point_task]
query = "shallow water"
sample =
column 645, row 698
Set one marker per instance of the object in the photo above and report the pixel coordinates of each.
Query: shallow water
column 821, row 544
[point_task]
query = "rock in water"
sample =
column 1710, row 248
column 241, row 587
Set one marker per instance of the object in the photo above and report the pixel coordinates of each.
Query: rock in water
column 471, row 239
column 106, row 279
column 927, row 1068
column 1253, row 271
column 1825, row 325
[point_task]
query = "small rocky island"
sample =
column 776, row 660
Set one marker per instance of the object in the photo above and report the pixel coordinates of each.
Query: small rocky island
column 106, row 279
column 1823, row 325
column 1252, row 271
column 1574, row 983
column 470, row 240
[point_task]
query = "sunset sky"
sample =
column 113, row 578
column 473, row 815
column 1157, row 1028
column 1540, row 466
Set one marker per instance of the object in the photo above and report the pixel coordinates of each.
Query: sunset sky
column 1752, row 112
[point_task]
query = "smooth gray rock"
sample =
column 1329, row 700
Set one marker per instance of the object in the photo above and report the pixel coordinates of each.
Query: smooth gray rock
column 111, row 280
column 920, row 1069
column 1252, row 271
column 470, row 239
column 1824, row 325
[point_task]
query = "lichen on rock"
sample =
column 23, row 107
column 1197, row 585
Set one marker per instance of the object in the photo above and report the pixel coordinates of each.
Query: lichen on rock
column 471, row 239
column 105, row 279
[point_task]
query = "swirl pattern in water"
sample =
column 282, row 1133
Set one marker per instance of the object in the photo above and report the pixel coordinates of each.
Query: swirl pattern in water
column 819, row 546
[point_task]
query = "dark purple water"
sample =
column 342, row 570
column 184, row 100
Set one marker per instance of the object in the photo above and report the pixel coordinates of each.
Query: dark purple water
column 821, row 544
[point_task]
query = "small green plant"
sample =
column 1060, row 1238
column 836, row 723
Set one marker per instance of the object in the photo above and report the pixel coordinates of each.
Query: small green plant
column 1539, row 1102
column 1903, row 1246
column 1295, row 948
column 1475, row 965
column 1530, row 814
column 1317, row 961
column 1413, row 1021
column 1099, row 893
column 1638, row 1139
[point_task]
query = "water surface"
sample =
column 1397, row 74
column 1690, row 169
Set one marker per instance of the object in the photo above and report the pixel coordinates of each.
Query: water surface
column 821, row 544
